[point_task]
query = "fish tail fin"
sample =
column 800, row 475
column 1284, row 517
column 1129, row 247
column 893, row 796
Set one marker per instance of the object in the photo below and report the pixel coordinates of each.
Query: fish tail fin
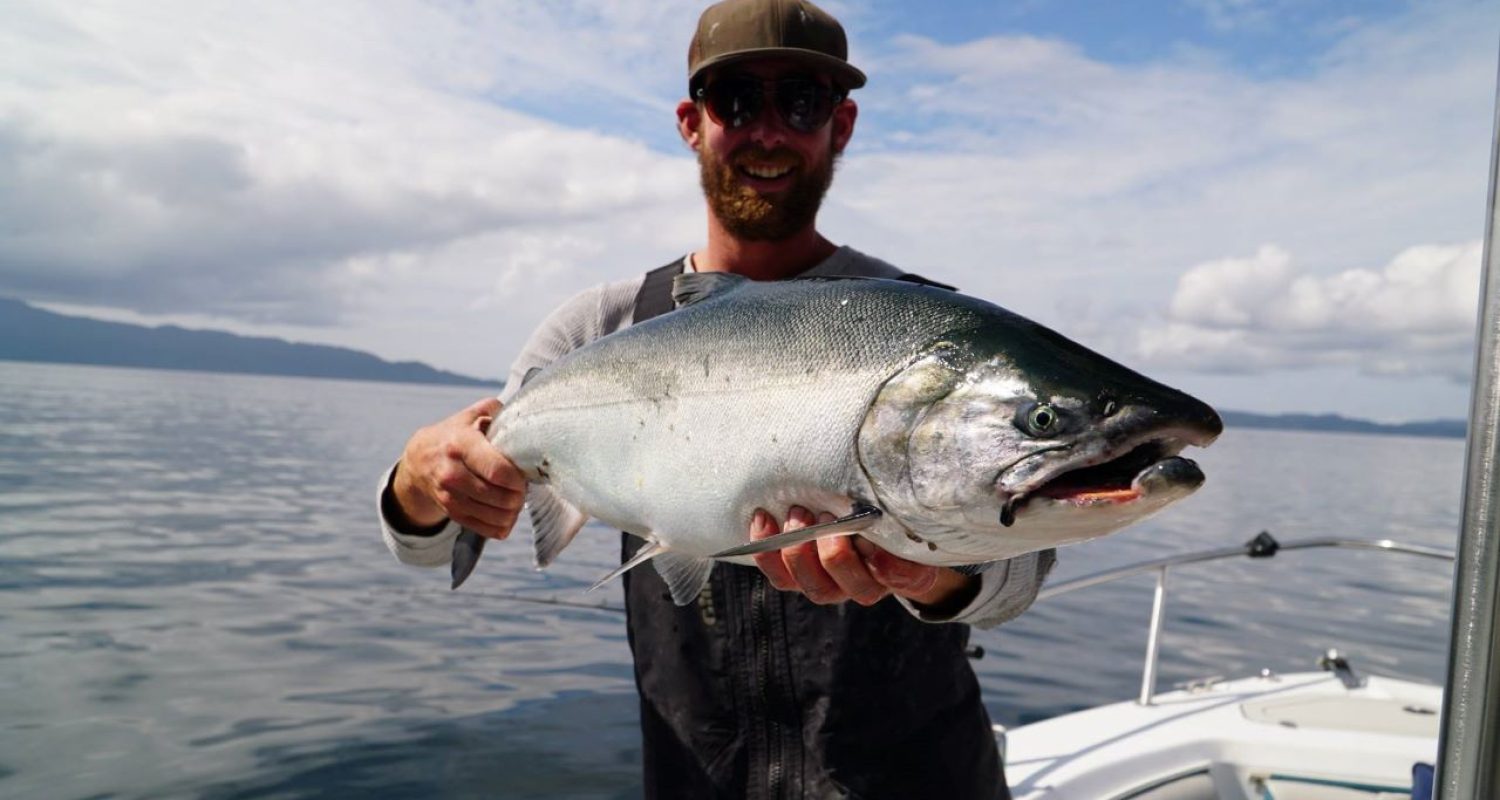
column 554, row 522
column 466, row 551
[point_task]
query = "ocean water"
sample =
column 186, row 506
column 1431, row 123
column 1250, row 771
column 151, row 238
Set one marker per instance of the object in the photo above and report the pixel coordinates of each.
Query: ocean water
column 195, row 601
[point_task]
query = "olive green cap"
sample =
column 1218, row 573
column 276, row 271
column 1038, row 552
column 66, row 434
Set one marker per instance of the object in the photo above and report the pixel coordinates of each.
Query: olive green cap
column 736, row 30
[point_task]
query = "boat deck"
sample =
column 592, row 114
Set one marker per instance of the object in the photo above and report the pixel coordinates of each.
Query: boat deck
column 1304, row 736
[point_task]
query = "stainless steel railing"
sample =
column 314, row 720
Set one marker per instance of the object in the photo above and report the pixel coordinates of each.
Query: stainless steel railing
column 1262, row 546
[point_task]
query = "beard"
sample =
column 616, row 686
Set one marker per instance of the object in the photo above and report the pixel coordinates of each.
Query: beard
column 752, row 216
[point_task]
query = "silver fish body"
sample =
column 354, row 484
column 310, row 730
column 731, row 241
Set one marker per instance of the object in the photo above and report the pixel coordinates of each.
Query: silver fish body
column 953, row 425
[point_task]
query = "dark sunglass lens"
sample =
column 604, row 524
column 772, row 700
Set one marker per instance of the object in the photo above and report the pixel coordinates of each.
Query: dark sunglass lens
column 804, row 104
column 734, row 101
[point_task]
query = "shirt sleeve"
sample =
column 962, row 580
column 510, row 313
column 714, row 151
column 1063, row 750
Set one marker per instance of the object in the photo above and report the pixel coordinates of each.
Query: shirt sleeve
column 1006, row 588
column 583, row 318
column 419, row 549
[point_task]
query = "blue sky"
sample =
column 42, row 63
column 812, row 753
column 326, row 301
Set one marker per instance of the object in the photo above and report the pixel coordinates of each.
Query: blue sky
column 1265, row 38
column 1276, row 204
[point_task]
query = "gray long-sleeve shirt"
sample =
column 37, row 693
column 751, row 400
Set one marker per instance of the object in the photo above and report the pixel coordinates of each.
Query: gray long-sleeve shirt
column 1006, row 587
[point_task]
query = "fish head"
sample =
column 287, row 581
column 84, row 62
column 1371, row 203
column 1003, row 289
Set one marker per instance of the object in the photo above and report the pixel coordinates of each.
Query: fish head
column 1009, row 437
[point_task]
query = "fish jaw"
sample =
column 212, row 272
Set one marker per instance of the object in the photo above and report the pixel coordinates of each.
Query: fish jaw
column 1069, row 513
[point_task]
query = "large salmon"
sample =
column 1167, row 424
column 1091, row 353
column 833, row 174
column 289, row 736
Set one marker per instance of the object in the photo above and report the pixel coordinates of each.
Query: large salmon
column 942, row 428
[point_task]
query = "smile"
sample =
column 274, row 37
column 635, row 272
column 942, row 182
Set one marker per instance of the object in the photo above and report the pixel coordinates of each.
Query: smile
column 765, row 172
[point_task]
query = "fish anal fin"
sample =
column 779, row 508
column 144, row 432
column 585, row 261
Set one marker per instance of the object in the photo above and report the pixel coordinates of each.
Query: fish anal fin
column 648, row 551
column 685, row 576
column 861, row 518
column 554, row 522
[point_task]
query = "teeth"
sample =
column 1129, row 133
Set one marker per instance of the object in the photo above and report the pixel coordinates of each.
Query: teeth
column 766, row 172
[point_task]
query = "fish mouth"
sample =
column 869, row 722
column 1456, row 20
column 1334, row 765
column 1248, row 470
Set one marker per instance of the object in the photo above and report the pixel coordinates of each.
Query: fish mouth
column 1149, row 470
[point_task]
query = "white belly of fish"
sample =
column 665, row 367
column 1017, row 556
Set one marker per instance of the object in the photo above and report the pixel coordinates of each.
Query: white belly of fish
column 689, row 469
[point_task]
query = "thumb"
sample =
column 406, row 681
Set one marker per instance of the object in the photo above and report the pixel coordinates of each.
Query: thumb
column 488, row 407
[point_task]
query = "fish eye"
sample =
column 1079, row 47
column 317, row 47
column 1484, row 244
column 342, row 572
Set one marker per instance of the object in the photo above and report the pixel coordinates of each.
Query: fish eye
column 1041, row 419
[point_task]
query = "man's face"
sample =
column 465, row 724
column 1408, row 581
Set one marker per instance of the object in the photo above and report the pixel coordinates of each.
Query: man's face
column 765, row 180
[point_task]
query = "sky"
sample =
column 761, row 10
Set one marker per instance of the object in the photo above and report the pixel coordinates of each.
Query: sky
column 1278, row 205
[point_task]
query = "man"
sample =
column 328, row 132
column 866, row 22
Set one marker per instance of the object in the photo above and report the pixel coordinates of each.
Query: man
column 752, row 691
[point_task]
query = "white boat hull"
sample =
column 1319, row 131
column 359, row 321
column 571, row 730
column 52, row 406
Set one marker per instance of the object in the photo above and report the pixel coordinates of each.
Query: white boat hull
column 1303, row 736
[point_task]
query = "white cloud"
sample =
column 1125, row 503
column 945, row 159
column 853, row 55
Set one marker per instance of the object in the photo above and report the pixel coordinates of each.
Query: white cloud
column 1226, row 293
column 1414, row 316
column 278, row 163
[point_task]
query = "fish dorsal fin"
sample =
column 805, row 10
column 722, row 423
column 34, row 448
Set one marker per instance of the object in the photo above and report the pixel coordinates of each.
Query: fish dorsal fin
column 862, row 517
column 691, row 287
column 530, row 373
column 685, row 576
column 554, row 522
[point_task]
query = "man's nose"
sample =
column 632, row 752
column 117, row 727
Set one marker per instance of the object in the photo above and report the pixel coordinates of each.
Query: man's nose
column 768, row 130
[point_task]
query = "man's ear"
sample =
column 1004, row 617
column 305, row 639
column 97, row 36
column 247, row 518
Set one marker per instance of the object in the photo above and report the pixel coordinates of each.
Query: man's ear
column 689, row 123
column 844, row 115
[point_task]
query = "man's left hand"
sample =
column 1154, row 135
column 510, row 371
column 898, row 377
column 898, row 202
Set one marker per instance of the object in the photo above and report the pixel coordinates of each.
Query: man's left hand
column 838, row 568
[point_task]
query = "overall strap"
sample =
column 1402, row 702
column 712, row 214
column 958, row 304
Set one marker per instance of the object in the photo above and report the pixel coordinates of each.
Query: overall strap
column 655, row 296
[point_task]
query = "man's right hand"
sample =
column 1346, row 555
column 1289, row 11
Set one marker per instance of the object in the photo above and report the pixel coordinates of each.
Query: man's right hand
column 449, row 470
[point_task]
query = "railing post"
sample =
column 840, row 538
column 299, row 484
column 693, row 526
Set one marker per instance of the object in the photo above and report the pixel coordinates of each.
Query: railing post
column 1470, row 737
column 1153, row 638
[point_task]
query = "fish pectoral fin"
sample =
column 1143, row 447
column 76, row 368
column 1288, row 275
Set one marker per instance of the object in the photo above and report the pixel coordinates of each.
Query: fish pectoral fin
column 466, row 551
column 554, row 522
column 648, row 551
column 690, row 287
column 861, row 518
column 685, row 576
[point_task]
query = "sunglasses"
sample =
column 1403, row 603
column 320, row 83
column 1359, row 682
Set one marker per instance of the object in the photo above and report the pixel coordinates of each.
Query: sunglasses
column 737, row 100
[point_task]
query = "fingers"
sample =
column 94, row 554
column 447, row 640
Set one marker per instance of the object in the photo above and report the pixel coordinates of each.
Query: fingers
column 843, row 562
column 488, row 407
column 763, row 526
column 474, row 449
column 475, row 503
column 906, row 578
column 803, row 563
column 450, row 469
column 488, row 464
column 828, row 570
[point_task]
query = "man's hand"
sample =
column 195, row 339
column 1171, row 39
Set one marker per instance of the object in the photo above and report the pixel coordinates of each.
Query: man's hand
column 839, row 568
column 449, row 470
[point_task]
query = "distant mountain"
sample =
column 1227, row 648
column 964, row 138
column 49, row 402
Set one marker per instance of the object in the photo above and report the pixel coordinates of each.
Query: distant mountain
column 1335, row 423
column 32, row 334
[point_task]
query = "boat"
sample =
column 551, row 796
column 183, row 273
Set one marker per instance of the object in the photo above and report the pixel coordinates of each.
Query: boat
column 1333, row 734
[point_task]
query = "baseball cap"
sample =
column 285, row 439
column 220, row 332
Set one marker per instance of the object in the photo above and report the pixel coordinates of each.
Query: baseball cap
column 736, row 30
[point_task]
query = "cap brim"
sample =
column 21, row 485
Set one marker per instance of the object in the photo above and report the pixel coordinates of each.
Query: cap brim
column 844, row 73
